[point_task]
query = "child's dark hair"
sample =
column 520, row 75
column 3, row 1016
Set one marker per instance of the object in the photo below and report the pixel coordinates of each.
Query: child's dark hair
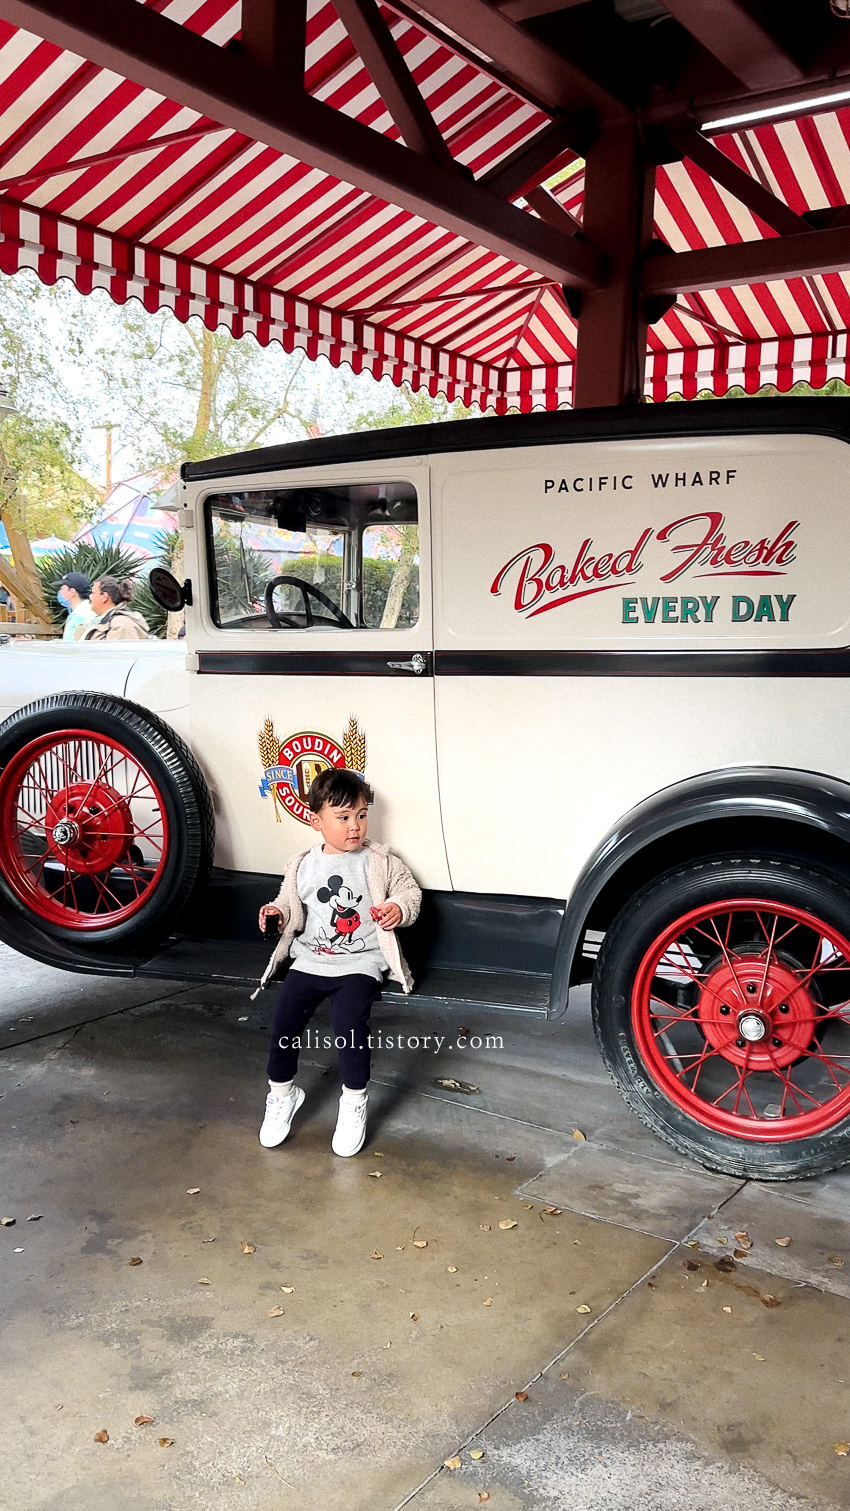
column 341, row 788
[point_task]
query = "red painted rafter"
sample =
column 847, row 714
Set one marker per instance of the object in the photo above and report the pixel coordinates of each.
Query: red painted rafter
column 381, row 56
column 111, row 155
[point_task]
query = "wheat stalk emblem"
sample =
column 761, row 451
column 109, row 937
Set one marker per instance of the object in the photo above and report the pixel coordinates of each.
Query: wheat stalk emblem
column 270, row 755
column 354, row 747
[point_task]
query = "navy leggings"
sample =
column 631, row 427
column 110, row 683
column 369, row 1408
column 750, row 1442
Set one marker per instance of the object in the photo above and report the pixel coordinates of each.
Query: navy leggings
column 351, row 999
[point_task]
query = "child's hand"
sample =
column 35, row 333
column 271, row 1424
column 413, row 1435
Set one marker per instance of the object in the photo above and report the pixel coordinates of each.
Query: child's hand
column 387, row 916
column 268, row 910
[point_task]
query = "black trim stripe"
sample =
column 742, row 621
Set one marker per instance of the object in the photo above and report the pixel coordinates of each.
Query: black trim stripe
column 310, row 663
column 816, row 663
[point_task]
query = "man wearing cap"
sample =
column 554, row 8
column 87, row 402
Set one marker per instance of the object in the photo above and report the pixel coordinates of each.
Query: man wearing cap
column 74, row 594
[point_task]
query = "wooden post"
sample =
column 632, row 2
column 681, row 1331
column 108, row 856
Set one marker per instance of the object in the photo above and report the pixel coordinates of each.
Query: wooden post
column 619, row 198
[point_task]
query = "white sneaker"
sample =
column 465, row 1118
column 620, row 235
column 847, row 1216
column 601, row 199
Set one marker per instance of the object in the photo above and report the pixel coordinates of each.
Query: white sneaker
column 350, row 1132
column 281, row 1108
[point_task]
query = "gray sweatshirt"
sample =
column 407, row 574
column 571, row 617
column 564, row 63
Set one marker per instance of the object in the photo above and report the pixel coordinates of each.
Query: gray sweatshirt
column 339, row 937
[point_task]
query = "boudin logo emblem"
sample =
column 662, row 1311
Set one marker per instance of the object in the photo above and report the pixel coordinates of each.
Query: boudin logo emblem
column 291, row 766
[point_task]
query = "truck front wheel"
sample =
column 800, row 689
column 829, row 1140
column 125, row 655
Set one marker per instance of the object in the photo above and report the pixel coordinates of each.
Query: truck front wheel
column 721, row 1005
column 106, row 824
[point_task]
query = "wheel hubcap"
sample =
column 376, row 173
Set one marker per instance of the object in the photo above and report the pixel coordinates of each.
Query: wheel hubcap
column 741, row 1015
column 83, row 831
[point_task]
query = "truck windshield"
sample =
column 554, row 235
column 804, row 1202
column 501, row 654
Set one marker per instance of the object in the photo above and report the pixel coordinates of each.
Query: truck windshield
column 315, row 558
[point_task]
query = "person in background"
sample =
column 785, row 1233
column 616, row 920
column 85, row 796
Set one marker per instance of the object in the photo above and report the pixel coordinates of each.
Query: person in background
column 116, row 620
column 74, row 594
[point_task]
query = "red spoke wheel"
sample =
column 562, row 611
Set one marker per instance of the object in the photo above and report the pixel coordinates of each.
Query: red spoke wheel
column 722, row 1008
column 105, row 820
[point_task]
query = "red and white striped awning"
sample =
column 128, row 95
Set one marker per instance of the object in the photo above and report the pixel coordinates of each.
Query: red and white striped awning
column 217, row 225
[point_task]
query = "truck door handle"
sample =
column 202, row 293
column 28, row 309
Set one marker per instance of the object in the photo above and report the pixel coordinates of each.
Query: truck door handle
column 417, row 664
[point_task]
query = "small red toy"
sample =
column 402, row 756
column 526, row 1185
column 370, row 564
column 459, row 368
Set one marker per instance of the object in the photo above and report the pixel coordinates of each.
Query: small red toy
column 375, row 915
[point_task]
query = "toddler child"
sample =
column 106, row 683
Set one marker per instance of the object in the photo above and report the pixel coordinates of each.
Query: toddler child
column 339, row 906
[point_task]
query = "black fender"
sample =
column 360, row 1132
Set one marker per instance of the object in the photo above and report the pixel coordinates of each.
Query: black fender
column 776, row 793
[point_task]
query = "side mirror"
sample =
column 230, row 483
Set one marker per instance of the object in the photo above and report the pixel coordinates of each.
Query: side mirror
column 167, row 591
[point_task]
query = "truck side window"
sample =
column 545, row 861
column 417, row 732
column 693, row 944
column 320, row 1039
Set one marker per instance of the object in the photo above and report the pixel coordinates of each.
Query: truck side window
column 343, row 557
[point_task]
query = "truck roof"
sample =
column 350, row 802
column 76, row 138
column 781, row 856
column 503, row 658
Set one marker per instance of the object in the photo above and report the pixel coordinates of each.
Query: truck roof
column 821, row 416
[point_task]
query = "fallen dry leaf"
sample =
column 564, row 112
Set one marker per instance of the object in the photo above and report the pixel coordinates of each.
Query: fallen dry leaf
column 770, row 1301
column 35, row 1217
column 204, row 1280
column 551, row 1211
column 842, row 1449
column 725, row 1265
column 565, row 1375
column 166, row 1442
column 399, row 1248
column 704, row 1286
column 577, row 1134
column 7, row 1222
column 484, row 1226
column 508, row 1222
column 584, row 1309
column 208, row 1240
column 691, row 1264
column 744, row 1240
column 728, row 1310
column 739, row 1253
column 134, row 1260
column 724, row 1241
column 836, row 1260
column 275, row 1311
column 193, row 1191
column 521, row 1395
column 288, row 1290
column 527, row 1206
column 476, row 1453
column 414, row 1316
column 375, row 1174
column 488, row 1302
column 102, row 1436
column 760, row 1358
column 451, row 1269
column 482, row 1497
column 420, row 1243
column 452, row 1463
column 143, row 1421
column 509, row 1159
column 376, row 1254
column 377, row 1154
column 782, row 1242
column 356, row 1374
column 691, row 1243
column 249, row 1248
column 449, row 1083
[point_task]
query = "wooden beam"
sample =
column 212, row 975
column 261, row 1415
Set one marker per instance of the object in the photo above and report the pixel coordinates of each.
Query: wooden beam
column 274, row 36
column 749, row 262
column 525, row 10
column 382, row 57
column 742, row 44
column 530, row 164
column 744, row 187
column 112, row 155
column 550, row 210
column 538, row 67
column 138, row 44
column 619, row 197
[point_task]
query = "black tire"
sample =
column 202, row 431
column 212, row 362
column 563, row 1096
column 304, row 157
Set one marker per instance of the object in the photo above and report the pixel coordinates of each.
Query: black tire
column 617, row 989
column 167, row 760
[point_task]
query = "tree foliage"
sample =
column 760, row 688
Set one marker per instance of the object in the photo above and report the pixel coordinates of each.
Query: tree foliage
column 93, row 562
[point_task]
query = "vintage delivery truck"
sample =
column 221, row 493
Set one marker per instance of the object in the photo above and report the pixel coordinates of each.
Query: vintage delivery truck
column 596, row 667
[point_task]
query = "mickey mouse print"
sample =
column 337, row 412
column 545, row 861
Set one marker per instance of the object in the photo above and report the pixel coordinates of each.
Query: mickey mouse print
column 340, row 935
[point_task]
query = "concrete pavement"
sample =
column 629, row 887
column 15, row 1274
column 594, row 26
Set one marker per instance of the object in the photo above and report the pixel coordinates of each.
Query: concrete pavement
column 683, row 1384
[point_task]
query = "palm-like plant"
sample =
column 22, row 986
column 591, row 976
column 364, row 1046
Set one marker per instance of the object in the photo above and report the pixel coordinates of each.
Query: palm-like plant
column 92, row 561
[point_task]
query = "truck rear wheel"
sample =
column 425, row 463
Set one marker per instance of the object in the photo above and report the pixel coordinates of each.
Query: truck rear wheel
column 721, row 1005
column 106, row 824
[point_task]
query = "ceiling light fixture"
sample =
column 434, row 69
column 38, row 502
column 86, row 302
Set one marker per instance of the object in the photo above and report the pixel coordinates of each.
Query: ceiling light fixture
column 770, row 112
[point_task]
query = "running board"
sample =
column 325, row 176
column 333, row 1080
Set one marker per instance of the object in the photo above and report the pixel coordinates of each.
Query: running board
column 240, row 963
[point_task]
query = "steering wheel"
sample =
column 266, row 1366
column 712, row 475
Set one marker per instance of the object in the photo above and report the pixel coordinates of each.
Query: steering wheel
column 307, row 590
